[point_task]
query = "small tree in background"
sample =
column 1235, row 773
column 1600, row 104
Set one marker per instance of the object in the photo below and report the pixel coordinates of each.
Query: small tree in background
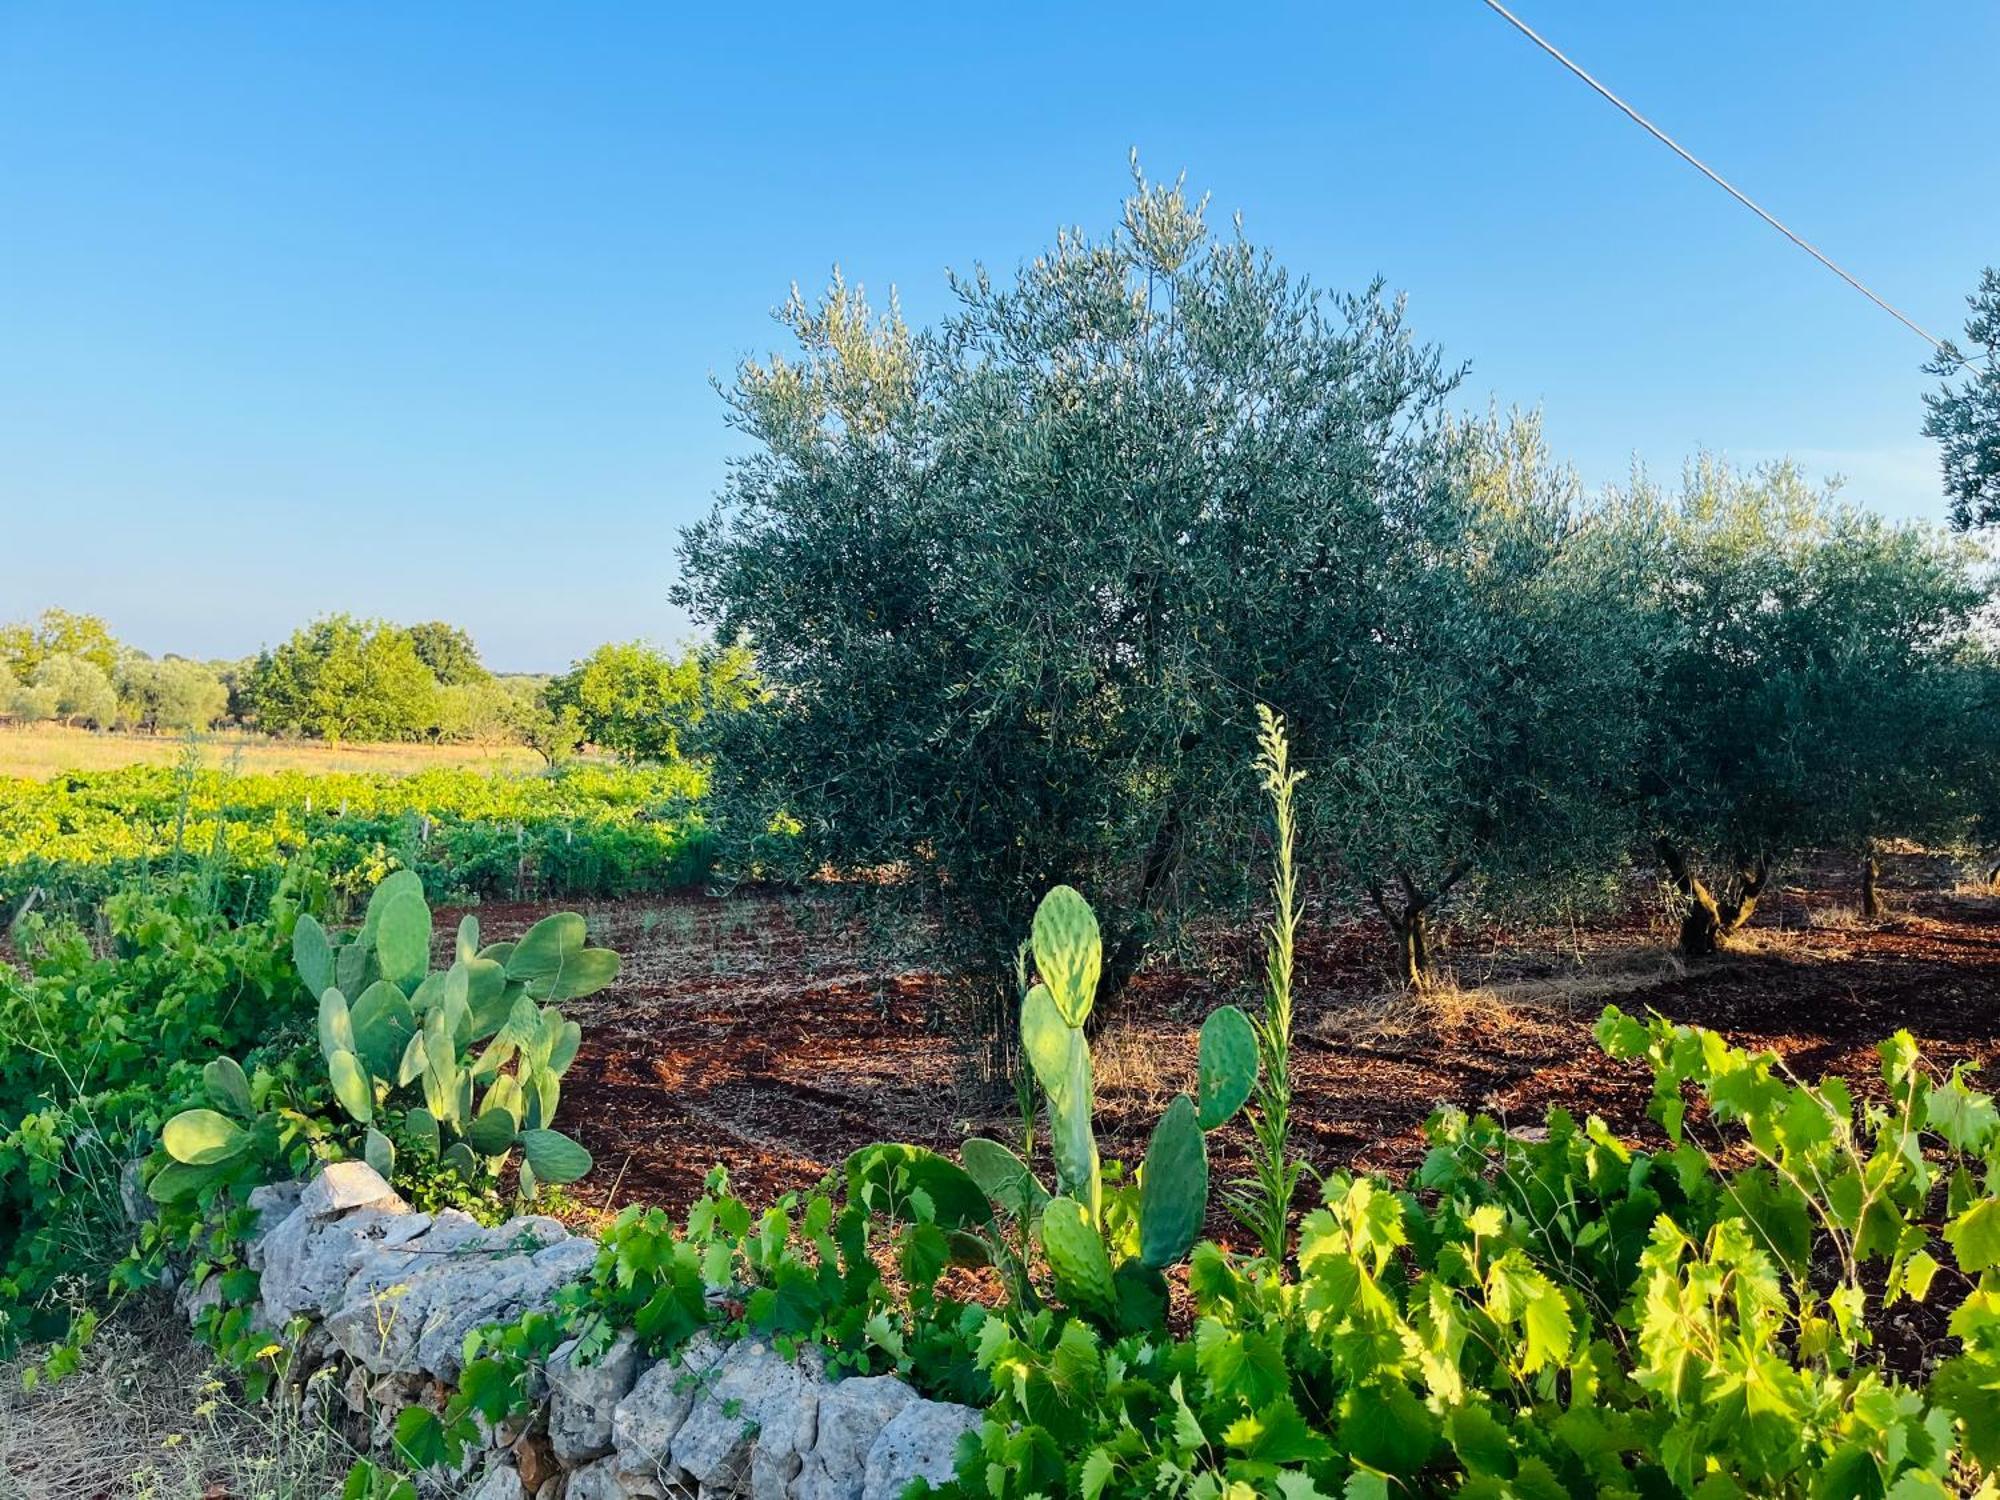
column 340, row 678
column 1965, row 417
column 450, row 654
column 25, row 645
column 1015, row 584
column 68, row 689
column 1811, row 652
column 638, row 702
column 170, row 694
column 1489, row 732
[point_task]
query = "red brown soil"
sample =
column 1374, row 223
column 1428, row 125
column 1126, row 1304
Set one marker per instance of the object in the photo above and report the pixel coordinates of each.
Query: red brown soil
column 756, row 1033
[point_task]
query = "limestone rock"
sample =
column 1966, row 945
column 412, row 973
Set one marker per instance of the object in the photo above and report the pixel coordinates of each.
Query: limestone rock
column 305, row 1260
column 342, row 1185
column 852, row 1415
column 596, row 1481
column 500, row 1482
column 749, row 1426
column 535, row 1461
column 644, row 1424
column 920, row 1440
column 410, row 1306
column 583, row 1397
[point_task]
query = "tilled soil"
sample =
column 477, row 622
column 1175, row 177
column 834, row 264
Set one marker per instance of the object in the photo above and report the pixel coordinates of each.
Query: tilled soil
column 756, row 1033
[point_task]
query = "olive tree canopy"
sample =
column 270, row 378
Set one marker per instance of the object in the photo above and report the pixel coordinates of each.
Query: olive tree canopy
column 1016, row 583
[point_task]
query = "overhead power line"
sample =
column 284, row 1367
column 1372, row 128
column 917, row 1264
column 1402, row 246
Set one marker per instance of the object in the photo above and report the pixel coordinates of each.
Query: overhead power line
column 1702, row 167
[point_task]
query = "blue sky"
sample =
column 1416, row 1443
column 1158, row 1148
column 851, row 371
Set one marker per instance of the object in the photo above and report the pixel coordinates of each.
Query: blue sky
column 414, row 310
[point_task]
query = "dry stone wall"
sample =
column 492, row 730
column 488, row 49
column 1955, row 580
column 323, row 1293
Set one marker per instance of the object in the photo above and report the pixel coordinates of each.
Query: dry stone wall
column 390, row 1294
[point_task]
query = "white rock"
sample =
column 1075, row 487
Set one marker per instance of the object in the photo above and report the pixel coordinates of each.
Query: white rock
column 410, row 1307
column 272, row 1204
column 583, row 1397
column 305, row 1260
column 643, row 1425
column 499, row 1483
column 920, row 1440
column 597, row 1481
column 852, row 1414
column 342, row 1185
column 749, row 1426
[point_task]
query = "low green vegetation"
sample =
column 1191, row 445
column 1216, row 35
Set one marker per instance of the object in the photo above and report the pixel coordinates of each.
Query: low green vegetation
column 586, row 831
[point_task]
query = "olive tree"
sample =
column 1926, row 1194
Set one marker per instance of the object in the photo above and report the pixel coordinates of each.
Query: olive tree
column 1963, row 414
column 1015, row 583
column 69, row 689
column 174, row 693
column 1489, row 736
column 1812, row 664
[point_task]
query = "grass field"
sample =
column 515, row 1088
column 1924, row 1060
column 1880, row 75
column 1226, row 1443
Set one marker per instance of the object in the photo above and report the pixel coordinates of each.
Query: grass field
column 39, row 751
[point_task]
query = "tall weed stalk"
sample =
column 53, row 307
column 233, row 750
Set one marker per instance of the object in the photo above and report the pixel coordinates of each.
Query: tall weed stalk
column 1262, row 1201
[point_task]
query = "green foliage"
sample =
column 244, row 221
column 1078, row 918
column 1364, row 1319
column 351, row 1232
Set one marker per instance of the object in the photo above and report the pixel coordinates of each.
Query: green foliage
column 1015, row 581
column 1262, row 1202
column 449, row 652
column 640, row 703
column 343, row 679
column 455, row 1067
column 1560, row 1317
column 68, row 688
column 24, row 646
column 1105, row 1245
column 1965, row 417
column 587, row 832
column 170, row 694
column 802, row 1272
column 99, row 1050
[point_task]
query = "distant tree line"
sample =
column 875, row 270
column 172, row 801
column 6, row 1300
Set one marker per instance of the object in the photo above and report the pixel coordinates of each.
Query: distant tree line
column 340, row 678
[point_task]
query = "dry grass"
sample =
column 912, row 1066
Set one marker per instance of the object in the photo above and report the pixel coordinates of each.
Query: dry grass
column 39, row 751
column 1134, row 1063
column 1446, row 1004
column 148, row 1417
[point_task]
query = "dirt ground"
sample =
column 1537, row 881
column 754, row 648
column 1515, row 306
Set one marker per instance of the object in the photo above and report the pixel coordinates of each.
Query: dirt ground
column 757, row 1033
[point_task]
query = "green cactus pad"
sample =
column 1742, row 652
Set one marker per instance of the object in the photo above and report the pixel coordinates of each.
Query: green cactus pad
column 312, row 955
column 382, row 1023
column 1047, row 1038
column 553, row 1157
column 886, row 1176
column 1076, row 1255
column 395, row 883
column 379, row 1153
column 352, row 1086
column 403, row 940
column 1003, row 1177
column 492, row 1133
column 415, row 1060
column 421, row 1126
column 467, row 947
column 353, row 966
column 201, row 1138
column 336, row 1024
column 1173, row 1192
column 1069, row 954
column 1228, row 1067
column 227, row 1086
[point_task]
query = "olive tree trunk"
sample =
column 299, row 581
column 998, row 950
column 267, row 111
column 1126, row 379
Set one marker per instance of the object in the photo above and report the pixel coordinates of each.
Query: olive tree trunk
column 1409, row 923
column 1871, row 898
column 1707, row 921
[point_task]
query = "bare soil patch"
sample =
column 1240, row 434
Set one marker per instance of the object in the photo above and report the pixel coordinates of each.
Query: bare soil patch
column 755, row 1031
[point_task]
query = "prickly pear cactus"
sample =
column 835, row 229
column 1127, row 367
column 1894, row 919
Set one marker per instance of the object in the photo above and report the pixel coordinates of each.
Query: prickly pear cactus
column 460, row 1065
column 1069, row 954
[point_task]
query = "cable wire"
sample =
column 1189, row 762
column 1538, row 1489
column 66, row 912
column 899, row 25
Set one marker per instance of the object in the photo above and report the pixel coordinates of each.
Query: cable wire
column 1702, row 167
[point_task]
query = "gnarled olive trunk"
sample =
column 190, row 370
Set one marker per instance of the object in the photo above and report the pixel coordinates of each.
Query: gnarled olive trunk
column 1409, row 923
column 1871, row 898
column 1708, row 921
